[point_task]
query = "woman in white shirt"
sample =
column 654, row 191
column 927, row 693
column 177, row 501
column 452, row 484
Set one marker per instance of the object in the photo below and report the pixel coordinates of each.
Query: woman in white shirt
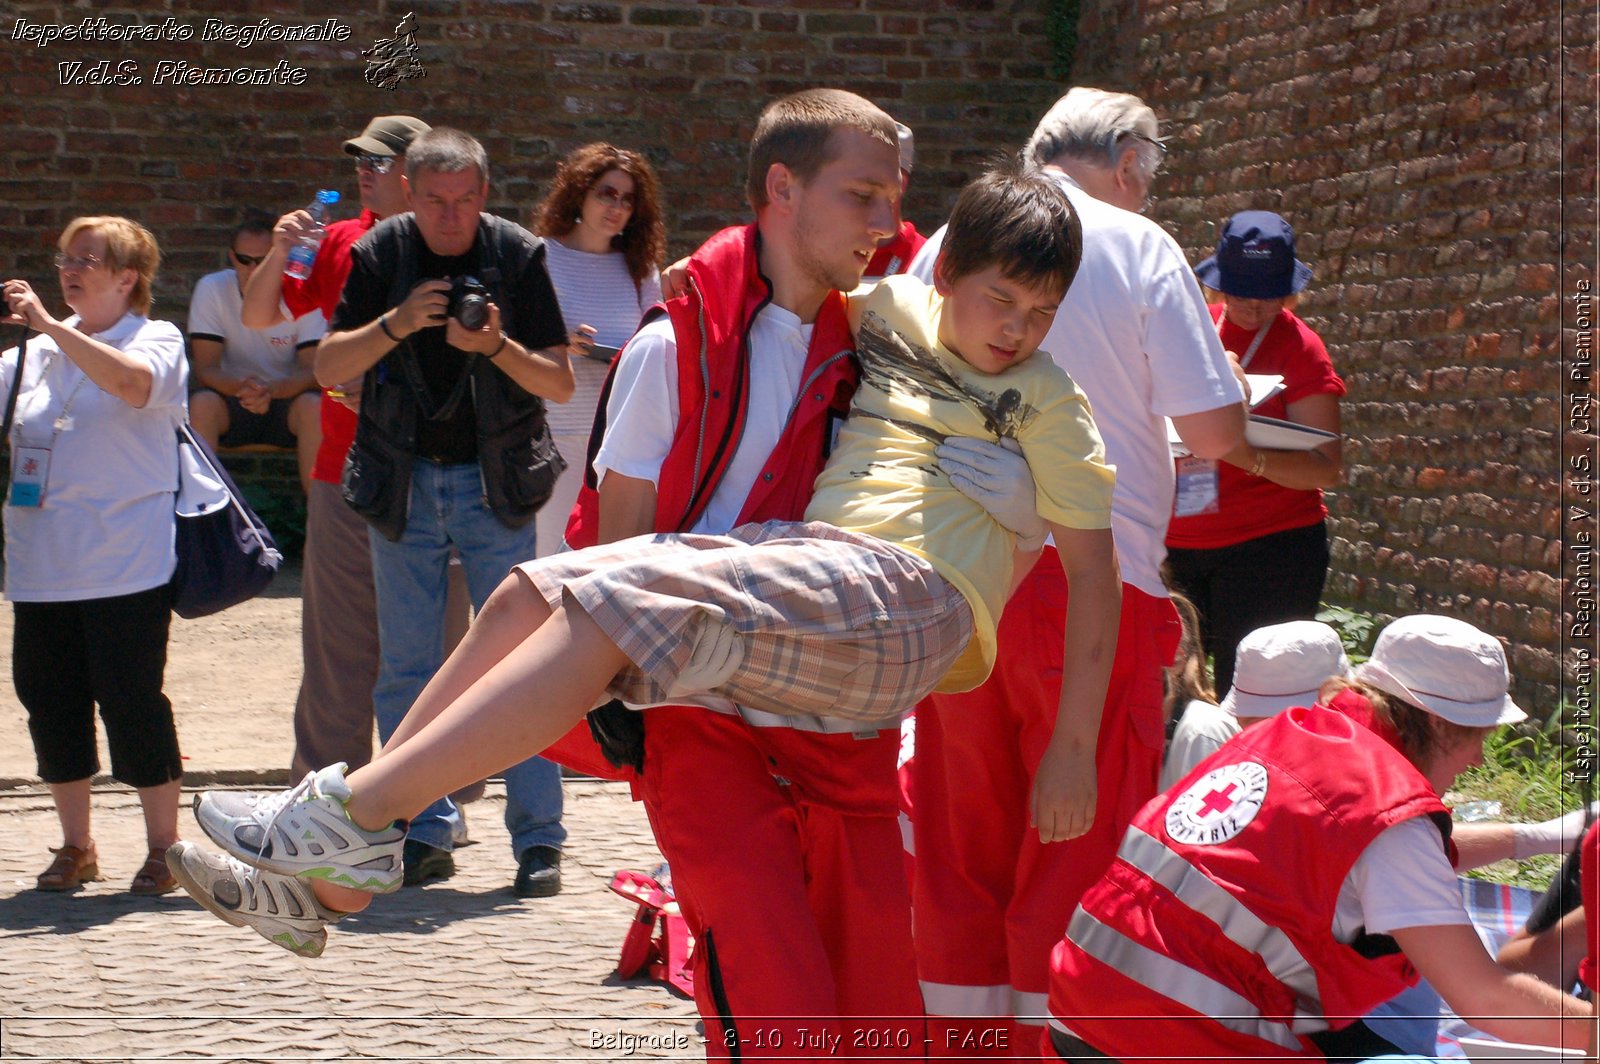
column 604, row 242
column 89, row 536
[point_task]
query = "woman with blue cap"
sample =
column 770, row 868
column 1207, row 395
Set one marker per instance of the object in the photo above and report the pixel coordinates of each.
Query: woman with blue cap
column 1247, row 543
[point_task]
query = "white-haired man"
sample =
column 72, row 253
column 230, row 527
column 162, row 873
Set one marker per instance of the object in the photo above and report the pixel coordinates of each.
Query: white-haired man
column 1133, row 331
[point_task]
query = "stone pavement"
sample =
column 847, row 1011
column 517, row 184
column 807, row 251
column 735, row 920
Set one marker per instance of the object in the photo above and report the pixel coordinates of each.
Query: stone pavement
column 459, row 970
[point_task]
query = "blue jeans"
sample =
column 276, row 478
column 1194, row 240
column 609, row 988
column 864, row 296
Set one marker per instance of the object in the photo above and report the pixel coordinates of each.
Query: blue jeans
column 409, row 577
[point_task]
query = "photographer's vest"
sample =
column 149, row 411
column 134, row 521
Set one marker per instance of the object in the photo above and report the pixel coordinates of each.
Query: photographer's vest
column 517, row 460
column 1211, row 935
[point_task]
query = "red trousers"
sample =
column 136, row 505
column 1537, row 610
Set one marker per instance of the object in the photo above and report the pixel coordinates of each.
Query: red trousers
column 786, row 859
column 991, row 900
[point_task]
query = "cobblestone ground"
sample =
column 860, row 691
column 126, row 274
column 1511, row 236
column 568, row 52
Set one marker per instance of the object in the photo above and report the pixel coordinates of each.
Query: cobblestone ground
column 457, row 970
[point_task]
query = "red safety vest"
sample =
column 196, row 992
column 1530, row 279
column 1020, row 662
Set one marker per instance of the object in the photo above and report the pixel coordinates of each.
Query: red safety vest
column 711, row 325
column 1214, row 924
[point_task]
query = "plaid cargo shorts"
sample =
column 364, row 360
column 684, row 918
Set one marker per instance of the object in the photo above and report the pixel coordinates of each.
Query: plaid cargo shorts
column 829, row 622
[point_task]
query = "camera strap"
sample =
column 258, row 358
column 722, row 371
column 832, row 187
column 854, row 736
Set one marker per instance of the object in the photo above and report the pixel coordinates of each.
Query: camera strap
column 403, row 277
column 16, row 389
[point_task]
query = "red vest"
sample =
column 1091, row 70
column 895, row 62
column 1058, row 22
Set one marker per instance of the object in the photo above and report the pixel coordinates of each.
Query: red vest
column 896, row 255
column 711, row 326
column 1214, row 924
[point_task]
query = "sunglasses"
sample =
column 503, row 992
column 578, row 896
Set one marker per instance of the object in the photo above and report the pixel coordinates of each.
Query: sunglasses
column 378, row 164
column 612, row 196
column 72, row 262
column 247, row 260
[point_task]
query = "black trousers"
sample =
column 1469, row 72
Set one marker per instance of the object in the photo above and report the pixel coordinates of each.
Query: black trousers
column 68, row 656
column 1240, row 588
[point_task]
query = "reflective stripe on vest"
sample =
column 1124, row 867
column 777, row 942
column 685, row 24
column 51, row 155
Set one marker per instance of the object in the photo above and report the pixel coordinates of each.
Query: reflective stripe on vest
column 1244, row 928
column 1176, row 981
column 953, row 999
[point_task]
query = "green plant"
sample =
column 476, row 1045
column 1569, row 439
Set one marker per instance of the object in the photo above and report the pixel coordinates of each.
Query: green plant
column 1357, row 630
column 284, row 516
column 1061, row 29
column 1526, row 770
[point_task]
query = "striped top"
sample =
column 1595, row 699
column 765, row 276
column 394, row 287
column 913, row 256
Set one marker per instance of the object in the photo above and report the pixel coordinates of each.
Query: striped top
column 593, row 290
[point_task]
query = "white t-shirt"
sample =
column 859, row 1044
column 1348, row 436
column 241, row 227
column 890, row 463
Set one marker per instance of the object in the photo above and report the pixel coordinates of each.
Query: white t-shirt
column 1134, row 333
column 214, row 314
column 1402, row 879
column 1201, row 731
column 105, row 526
column 593, row 290
column 643, row 414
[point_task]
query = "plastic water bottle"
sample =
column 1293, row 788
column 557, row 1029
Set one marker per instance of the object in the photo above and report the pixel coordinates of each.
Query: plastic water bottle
column 304, row 252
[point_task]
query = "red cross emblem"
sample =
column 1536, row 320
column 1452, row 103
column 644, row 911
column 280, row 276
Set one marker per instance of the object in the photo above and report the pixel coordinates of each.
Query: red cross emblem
column 1218, row 800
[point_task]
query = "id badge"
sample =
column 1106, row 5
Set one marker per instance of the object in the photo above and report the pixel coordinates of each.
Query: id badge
column 30, row 469
column 1197, row 487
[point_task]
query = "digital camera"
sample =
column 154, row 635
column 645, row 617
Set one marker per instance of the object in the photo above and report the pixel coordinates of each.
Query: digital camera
column 469, row 302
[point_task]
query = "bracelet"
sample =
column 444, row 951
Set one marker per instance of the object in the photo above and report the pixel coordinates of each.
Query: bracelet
column 1259, row 468
column 383, row 323
column 501, row 347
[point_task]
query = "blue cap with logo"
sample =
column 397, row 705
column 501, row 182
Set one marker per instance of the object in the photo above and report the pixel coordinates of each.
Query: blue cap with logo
column 1255, row 259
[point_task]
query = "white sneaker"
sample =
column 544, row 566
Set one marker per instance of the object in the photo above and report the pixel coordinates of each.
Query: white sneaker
column 280, row 909
column 305, row 832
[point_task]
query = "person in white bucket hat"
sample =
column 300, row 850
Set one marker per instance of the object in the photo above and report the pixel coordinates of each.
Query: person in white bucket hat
column 1302, row 875
column 1446, row 667
column 1276, row 667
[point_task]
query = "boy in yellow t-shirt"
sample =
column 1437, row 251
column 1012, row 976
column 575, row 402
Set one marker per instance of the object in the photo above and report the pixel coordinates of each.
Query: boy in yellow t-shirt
column 891, row 587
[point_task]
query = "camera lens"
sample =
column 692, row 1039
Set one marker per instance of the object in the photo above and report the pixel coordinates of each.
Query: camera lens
column 474, row 312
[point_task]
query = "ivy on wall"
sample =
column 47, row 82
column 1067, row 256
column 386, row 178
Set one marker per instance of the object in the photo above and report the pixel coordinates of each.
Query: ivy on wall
column 1061, row 28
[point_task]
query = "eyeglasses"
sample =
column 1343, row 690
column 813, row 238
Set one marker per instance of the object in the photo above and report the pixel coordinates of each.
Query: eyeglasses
column 378, row 164
column 246, row 260
column 1161, row 149
column 612, row 196
column 72, row 262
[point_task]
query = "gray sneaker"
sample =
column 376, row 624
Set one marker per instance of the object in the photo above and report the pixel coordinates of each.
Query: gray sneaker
column 280, row 909
column 305, row 832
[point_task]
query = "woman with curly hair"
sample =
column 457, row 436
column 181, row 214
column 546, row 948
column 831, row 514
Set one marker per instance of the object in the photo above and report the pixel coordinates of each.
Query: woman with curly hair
column 604, row 242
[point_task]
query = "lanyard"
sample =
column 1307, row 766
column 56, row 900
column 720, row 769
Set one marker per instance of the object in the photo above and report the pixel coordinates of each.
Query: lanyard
column 62, row 419
column 1255, row 345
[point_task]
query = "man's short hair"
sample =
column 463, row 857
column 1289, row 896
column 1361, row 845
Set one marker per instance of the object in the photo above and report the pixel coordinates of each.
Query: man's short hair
column 443, row 150
column 1018, row 219
column 1096, row 126
column 253, row 220
column 797, row 131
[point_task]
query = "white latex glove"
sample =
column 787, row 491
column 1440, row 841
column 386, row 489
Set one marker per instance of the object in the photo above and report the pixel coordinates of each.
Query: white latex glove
column 997, row 478
column 717, row 653
column 1557, row 835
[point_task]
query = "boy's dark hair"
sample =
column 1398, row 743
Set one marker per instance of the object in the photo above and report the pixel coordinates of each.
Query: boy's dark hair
column 797, row 130
column 1017, row 218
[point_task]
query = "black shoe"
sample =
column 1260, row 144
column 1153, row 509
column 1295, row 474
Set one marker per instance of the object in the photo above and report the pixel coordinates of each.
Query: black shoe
column 423, row 862
column 538, row 873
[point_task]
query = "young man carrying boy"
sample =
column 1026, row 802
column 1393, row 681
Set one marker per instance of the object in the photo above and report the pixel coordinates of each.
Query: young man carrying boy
column 899, row 591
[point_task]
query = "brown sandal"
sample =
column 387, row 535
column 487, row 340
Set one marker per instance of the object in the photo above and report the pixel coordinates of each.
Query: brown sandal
column 155, row 877
column 71, row 868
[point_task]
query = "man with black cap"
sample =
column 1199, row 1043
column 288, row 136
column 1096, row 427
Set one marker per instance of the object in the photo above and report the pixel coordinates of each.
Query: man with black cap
column 339, row 633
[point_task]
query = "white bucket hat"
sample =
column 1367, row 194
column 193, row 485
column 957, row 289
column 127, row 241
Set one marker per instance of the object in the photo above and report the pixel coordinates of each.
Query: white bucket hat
column 1283, row 665
column 1447, row 667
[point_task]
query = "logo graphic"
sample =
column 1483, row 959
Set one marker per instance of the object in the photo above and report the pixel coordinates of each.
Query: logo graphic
column 392, row 60
column 1218, row 805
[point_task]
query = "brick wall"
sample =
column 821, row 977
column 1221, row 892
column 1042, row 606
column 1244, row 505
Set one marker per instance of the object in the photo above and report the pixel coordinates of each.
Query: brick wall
column 1417, row 147
column 680, row 81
